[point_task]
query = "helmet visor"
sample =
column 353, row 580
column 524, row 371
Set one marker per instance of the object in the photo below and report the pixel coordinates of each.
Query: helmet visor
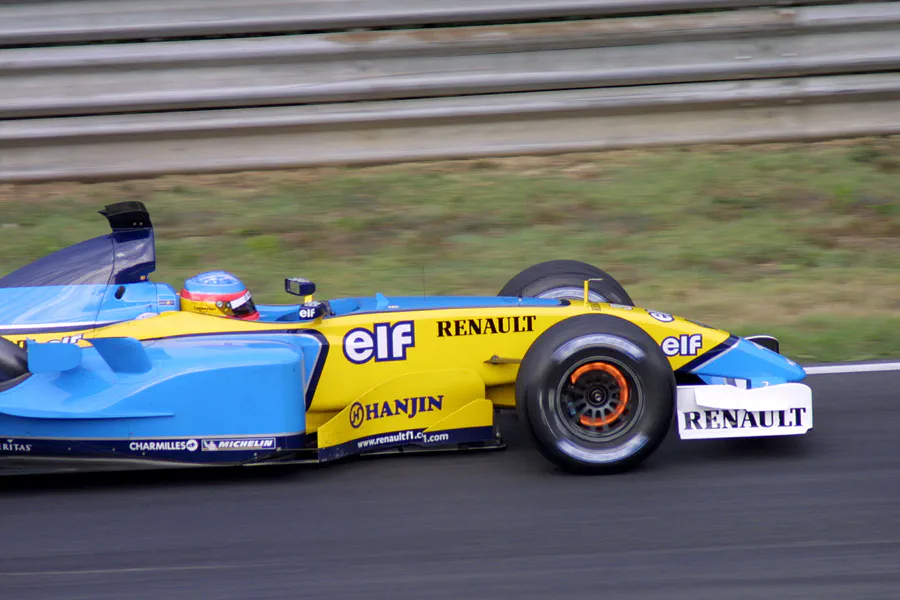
column 243, row 306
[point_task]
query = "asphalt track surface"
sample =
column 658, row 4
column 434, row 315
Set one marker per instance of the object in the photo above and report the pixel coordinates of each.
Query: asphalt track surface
column 814, row 517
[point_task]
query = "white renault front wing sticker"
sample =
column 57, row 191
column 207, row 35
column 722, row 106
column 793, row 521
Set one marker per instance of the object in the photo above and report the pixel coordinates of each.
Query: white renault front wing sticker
column 723, row 411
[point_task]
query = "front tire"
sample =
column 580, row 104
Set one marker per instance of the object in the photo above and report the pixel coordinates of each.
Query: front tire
column 13, row 360
column 596, row 394
column 564, row 279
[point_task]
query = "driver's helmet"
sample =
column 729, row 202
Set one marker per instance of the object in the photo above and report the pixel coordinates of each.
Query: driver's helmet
column 220, row 294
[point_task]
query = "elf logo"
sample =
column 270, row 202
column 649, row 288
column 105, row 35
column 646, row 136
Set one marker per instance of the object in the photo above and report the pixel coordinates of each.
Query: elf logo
column 682, row 345
column 384, row 342
column 66, row 339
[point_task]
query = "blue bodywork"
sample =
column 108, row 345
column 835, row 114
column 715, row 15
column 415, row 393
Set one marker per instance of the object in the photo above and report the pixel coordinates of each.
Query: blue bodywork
column 741, row 359
column 122, row 398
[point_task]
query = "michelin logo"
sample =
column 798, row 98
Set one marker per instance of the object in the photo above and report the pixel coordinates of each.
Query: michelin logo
column 239, row 444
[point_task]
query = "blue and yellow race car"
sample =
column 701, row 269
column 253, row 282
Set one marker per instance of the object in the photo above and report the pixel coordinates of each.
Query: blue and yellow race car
column 102, row 368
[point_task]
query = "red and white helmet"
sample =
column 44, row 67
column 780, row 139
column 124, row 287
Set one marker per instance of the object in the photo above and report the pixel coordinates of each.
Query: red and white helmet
column 220, row 294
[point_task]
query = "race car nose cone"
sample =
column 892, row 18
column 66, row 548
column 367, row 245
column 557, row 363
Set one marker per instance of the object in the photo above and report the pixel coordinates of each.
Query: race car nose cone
column 753, row 362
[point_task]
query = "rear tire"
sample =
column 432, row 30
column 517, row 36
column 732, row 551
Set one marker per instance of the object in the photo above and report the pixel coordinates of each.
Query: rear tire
column 13, row 360
column 564, row 279
column 596, row 393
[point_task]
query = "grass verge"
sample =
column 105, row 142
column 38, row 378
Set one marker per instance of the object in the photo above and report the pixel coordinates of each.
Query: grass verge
column 802, row 241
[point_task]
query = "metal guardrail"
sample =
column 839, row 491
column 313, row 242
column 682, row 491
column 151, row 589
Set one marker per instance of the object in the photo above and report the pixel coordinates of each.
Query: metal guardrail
column 361, row 133
column 138, row 109
column 63, row 21
column 469, row 60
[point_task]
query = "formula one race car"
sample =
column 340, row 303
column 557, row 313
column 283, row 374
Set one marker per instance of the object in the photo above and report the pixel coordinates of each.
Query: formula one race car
column 150, row 377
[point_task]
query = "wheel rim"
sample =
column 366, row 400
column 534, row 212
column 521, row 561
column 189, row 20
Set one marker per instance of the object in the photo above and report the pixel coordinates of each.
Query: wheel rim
column 571, row 293
column 599, row 400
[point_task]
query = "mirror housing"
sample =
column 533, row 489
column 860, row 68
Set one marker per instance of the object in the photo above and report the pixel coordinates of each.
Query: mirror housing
column 298, row 286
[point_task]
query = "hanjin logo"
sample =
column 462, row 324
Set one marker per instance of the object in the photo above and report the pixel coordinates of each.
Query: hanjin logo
column 357, row 415
column 410, row 407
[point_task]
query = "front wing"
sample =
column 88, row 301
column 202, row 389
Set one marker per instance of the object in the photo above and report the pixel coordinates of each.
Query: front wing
column 726, row 411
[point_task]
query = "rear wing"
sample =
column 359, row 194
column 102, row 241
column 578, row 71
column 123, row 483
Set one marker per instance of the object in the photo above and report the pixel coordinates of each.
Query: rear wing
column 127, row 216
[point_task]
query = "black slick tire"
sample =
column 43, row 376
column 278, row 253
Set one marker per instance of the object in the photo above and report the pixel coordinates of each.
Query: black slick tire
column 565, row 279
column 13, row 360
column 550, row 394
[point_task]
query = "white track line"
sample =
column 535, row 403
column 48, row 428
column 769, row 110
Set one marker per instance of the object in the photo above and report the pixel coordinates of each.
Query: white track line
column 857, row 368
